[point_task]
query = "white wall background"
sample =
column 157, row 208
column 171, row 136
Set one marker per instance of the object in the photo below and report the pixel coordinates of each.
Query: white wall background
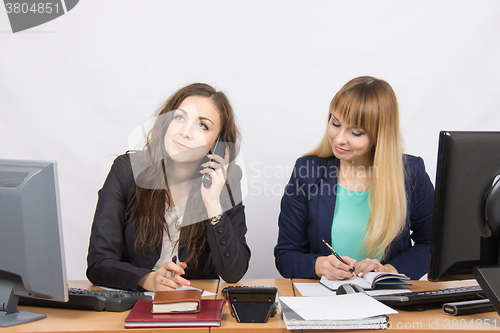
column 73, row 89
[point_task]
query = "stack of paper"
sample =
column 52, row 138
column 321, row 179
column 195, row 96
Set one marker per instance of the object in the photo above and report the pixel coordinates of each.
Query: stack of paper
column 350, row 311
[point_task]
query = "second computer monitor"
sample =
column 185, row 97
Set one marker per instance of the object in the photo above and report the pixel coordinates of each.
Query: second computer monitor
column 31, row 240
column 467, row 169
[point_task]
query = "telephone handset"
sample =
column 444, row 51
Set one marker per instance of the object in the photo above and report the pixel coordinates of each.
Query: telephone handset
column 219, row 149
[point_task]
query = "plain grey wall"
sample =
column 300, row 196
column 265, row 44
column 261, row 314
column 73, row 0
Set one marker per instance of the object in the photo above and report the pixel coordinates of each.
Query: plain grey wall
column 73, row 89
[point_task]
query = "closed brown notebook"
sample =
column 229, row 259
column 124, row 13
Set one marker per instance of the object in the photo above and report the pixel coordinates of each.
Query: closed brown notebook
column 185, row 301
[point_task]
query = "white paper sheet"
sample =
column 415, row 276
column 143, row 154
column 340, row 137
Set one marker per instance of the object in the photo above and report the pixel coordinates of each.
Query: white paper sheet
column 313, row 289
column 349, row 306
column 205, row 293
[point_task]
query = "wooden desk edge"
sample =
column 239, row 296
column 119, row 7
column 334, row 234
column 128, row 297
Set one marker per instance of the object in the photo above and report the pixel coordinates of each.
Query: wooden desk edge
column 83, row 321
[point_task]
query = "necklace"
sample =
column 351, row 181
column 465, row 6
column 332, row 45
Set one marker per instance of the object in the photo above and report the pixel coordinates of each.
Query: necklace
column 342, row 177
column 346, row 184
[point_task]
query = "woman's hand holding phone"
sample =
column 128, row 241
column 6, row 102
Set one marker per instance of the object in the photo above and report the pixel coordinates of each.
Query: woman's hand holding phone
column 216, row 168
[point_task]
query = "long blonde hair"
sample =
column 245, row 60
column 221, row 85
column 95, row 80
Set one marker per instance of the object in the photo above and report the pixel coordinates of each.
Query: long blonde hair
column 370, row 104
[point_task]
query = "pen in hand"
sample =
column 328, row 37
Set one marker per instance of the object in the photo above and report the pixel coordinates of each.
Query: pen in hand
column 351, row 270
column 174, row 260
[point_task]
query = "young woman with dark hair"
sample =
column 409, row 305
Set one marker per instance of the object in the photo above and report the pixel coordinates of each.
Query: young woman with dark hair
column 153, row 208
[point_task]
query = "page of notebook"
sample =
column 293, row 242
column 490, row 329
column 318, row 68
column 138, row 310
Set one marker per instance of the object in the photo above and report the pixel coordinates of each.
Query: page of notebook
column 317, row 289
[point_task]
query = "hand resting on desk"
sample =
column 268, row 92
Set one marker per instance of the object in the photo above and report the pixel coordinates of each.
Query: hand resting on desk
column 373, row 265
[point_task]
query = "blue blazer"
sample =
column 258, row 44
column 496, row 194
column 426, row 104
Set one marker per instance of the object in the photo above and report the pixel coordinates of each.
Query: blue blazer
column 306, row 218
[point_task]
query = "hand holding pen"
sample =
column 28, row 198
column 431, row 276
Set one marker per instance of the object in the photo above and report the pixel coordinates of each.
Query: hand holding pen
column 169, row 275
column 335, row 267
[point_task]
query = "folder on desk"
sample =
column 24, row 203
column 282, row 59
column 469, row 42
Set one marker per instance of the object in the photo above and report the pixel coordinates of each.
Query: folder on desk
column 295, row 322
column 209, row 315
column 351, row 311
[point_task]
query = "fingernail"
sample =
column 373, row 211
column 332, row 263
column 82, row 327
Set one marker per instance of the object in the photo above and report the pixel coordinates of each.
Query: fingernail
column 360, row 274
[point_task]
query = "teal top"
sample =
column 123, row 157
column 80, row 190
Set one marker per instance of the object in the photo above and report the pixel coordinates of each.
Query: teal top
column 352, row 211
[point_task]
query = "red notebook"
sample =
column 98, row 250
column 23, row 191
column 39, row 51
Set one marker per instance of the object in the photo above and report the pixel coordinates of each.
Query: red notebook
column 141, row 316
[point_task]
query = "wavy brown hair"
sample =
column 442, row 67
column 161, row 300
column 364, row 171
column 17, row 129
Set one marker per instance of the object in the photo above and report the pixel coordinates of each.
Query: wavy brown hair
column 152, row 200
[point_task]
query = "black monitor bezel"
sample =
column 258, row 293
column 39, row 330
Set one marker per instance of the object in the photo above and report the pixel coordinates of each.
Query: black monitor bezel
column 457, row 149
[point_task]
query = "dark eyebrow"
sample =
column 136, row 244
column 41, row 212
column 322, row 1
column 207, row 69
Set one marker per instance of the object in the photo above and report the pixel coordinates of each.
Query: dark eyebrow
column 200, row 118
column 203, row 118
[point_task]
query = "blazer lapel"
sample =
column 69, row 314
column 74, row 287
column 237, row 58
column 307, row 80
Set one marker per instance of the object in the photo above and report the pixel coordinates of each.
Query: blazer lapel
column 326, row 204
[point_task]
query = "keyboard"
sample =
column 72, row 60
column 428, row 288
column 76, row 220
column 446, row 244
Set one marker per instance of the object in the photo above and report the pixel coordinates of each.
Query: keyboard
column 433, row 296
column 88, row 299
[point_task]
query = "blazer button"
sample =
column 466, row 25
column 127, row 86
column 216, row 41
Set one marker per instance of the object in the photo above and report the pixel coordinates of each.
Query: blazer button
column 220, row 230
column 227, row 254
column 223, row 241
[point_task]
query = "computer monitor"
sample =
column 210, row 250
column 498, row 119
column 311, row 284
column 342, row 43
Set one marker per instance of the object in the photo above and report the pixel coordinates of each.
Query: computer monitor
column 31, row 241
column 466, row 205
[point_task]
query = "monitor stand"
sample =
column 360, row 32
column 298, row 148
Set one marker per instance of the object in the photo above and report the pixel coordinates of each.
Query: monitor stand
column 9, row 314
column 489, row 280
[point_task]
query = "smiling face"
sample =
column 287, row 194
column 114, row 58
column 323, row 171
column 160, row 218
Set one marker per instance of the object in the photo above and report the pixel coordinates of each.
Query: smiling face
column 195, row 125
column 349, row 143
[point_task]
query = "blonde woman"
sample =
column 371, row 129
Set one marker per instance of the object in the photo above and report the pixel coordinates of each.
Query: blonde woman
column 359, row 192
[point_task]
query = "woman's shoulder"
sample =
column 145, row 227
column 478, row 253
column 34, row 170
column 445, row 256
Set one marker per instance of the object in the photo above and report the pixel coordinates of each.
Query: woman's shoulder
column 413, row 163
column 312, row 167
column 415, row 168
column 119, row 181
column 121, row 169
column 314, row 160
column 122, row 163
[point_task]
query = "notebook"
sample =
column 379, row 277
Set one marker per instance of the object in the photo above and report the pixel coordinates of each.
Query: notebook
column 208, row 316
column 352, row 311
column 369, row 281
column 177, row 301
